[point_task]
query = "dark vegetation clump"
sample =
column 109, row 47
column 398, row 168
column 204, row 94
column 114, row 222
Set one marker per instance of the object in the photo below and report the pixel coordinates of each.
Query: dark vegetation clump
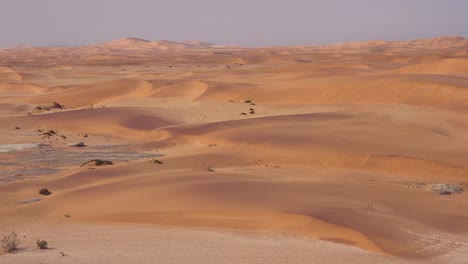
column 41, row 244
column 157, row 161
column 99, row 162
column 49, row 133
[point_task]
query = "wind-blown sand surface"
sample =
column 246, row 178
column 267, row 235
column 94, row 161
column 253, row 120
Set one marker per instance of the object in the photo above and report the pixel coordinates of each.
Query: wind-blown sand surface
column 269, row 155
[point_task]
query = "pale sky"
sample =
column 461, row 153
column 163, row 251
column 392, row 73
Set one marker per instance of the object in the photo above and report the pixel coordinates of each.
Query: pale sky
column 236, row 22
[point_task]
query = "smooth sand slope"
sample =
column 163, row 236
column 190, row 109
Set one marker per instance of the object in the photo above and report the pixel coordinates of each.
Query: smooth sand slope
column 269, row 155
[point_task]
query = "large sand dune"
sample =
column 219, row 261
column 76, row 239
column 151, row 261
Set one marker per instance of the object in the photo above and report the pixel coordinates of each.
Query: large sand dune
column 269, row 155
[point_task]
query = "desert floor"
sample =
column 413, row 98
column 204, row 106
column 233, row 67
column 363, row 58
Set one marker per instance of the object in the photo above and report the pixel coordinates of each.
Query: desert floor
column 268, row 155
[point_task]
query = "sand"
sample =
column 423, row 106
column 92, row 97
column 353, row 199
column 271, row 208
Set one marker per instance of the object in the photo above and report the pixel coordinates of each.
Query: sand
column 269, row 155
column 135, row 244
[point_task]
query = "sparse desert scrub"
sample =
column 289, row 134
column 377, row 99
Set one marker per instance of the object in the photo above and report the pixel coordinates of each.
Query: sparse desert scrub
column 41, row 244
column 98, row 162
column 49, row 133
column 157, row 161
column 10, row 242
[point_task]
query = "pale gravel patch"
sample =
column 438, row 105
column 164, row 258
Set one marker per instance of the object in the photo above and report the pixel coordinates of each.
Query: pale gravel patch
column 33, row 164
column 21, row 147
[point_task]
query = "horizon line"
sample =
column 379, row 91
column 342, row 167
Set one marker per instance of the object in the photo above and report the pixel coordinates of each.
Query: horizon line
column 185, row 42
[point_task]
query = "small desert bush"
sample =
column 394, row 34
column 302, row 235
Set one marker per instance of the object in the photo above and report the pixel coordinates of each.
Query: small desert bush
column 157, row 161
column 42, row 244
column 248, row 101
column 10, row 243
column 49, row 133
column 99, row 162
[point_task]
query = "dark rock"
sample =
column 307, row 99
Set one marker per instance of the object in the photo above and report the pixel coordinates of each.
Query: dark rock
column 44, row 191
column 79, row 144
column 56, row 105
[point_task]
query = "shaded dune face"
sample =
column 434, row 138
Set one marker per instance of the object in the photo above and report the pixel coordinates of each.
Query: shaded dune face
column 94, row 93
column 145, row 123
column 335, row 143
column 128, row 118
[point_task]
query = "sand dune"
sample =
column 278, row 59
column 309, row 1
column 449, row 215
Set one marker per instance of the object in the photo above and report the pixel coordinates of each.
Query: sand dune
column 88, row 95
column 188, row 246
column 9, row 89
column 335, row 134
column 375, row 89
column 297, row 153
column 441, row 43
column 447, row 66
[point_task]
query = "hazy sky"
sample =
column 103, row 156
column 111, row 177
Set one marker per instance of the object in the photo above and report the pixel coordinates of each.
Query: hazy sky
column 240, row 22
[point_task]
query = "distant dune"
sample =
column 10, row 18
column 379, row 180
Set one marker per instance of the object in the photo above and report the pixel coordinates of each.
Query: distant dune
column 129, row 44
column 455, row 66
column 454, row 42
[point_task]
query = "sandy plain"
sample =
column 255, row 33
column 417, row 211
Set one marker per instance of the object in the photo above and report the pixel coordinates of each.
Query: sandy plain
column 269, row 155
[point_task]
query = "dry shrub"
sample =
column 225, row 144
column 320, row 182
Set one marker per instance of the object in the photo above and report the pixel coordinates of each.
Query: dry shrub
column 10, row 243
column 42, row 244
